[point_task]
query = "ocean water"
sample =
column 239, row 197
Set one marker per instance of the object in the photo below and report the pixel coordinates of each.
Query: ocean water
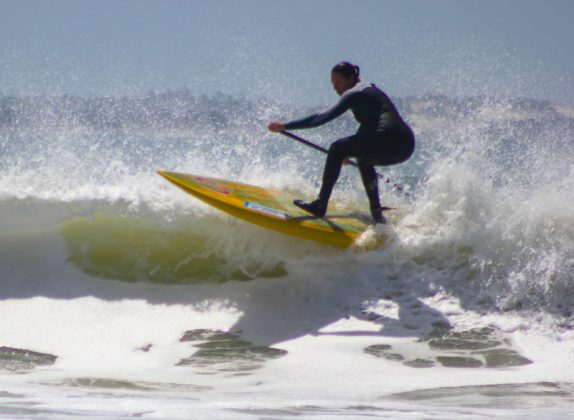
column 121, row 296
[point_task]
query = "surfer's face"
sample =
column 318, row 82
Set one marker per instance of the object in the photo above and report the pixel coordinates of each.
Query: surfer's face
column 341, row 84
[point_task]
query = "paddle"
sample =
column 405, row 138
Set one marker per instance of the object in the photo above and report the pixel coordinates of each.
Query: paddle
column 350, row 162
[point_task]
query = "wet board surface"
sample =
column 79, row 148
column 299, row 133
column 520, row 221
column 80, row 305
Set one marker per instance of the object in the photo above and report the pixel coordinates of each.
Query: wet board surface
column 273, row 209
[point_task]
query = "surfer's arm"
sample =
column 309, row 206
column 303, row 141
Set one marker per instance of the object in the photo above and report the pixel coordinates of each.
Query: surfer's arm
column 321, row 118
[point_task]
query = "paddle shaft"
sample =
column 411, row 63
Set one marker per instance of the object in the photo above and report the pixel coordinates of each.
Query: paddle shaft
column 350, row 162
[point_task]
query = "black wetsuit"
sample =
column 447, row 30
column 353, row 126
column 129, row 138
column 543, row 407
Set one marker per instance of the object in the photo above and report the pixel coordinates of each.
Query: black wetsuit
column 383, row 138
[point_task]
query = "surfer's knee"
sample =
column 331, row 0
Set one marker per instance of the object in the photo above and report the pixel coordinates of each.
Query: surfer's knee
column 335, row 147
column 338, row 147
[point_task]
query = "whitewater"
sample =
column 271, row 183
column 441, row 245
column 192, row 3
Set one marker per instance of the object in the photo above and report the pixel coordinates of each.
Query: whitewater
column 122, row 296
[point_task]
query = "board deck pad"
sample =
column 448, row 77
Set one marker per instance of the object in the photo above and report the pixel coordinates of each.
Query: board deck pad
column 273, row 209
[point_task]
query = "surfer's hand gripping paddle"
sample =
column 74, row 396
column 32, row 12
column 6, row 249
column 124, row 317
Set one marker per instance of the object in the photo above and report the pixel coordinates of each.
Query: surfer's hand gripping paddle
column 347, row 161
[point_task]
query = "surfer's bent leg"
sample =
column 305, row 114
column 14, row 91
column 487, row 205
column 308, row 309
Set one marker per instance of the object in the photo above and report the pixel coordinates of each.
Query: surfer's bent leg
column 371, row 184
column 338, row 152
column 380, row 149
column 388, row 148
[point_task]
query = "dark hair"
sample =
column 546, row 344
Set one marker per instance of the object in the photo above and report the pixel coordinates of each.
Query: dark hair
column 347, row 70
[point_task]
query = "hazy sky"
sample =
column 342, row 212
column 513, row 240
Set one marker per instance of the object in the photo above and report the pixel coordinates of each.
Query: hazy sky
column 285, row 48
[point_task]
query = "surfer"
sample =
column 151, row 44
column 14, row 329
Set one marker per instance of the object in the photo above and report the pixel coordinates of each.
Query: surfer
column 383, row 137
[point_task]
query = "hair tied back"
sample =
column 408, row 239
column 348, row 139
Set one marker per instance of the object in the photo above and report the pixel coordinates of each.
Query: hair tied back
column 347, row 70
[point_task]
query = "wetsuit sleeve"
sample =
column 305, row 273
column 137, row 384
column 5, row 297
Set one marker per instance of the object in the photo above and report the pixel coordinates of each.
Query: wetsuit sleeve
column 321, row 118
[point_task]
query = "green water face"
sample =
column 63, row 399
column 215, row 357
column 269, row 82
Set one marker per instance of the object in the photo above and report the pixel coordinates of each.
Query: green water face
column 135, row 249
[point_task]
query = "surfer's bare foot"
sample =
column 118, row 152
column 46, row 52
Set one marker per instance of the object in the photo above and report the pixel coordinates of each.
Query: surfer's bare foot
column 316, row 208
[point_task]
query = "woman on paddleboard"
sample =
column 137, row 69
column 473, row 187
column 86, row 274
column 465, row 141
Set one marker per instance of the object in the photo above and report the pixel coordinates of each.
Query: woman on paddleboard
column 383, row 137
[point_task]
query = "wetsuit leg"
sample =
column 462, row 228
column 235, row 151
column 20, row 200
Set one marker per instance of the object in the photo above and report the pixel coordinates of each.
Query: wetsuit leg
column 371, row 184
column 386, row 148
column 338, row 151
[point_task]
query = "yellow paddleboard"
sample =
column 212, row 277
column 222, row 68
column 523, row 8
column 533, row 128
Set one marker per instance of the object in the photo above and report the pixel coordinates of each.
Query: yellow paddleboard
column 273, row 209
